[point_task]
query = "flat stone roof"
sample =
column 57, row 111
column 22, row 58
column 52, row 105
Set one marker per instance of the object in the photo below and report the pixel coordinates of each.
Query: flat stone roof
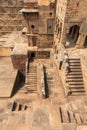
column 20, row 49
column 7, row 76
column 32, row 48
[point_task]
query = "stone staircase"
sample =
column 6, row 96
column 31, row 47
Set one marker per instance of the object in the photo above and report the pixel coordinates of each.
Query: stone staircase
column 31, row 78
column 68, row 116
column 19, row 107
column 74, row 77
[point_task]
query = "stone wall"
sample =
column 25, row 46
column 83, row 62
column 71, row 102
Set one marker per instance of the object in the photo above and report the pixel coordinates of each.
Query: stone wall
column 10, row 19
column 43, row 55
column 71, row 19
column 41, row 24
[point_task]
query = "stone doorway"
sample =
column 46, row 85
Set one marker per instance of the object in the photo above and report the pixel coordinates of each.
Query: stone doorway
column 31, row 56
column 73, row 35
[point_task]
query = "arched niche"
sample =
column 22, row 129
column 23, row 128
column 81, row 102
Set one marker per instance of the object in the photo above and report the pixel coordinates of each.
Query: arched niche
column 73, row 35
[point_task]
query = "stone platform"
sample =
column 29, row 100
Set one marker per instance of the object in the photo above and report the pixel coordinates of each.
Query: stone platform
column 7, row 77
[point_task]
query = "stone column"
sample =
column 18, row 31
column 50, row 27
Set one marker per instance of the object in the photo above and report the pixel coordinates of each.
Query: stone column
column 63, row 36
column 81, row 40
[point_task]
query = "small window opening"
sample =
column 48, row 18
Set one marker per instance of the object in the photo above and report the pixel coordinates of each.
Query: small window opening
column 32, row 26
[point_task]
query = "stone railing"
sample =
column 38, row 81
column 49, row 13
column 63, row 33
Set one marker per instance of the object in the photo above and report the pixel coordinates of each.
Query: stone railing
column 63, row 67
column 43, row 81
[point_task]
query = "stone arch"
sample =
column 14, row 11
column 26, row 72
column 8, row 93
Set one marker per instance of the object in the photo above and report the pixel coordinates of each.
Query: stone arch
column 73, row 34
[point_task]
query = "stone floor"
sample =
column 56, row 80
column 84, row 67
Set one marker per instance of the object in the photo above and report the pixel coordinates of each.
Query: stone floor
column 58, row 112
column 7, row 76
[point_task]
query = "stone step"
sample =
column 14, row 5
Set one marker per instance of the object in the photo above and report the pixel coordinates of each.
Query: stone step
column 31, row 88
column 78, row 118
column 27, row 86
column 34, row 74
column 76, row 87
column 74, row 58
column 74, row 64
column 18, row 107
column 31, row 80
column 74, row 80
column 75, row 70
column 49, row 81
column 31, row 73
column 32, row 91
column 75, row 73
column 71, row 117
column 64, row 115
column 30, row 83
column 74, row 76
column 76, row 83
column 75, row 67
column 77, row 90
column 78, row 94
column 32, row 66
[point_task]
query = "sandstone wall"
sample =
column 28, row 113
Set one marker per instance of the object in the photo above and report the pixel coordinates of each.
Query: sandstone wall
column 71, row 14
column 10, row 19
column 41, row 25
